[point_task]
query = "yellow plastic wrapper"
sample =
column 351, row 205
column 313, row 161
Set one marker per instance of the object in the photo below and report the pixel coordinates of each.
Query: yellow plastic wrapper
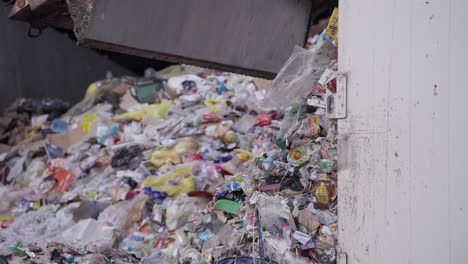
column 213, row 104
column 6, row 219
column 88, row 122
column 164, row 155
column 156, row 111
column 92, row 88
column 245, row 154
column 322, row 194
column 37, row 204
column 32, row 133
column 173, row 154
column 230, row 138
column 174, row 183
column 93, row 195
column 332, row 28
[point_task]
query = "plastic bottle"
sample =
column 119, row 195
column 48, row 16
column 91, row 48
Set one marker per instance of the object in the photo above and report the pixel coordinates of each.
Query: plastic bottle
column 104, row 132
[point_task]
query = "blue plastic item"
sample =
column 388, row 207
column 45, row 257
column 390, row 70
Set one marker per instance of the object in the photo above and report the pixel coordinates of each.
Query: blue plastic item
column 59, row 126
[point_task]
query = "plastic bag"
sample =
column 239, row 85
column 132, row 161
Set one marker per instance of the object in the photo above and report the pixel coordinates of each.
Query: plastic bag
column 156, row 258
column 173, row 154
column 38, row 227
column 272, row 209
column 300, row 155
column 88, row 122
column 188, row 82
column 139, row 244
column 104, row 132
column 182, row 210
column 156, row 111
column 289, row 126
column 125, row 214
column 324, row 217
column 176, row 182
column 10, row 195
column 16, row 168
column 215, row 105
column 59, row 126
column 298, row 75
column 244, row 260
column 310, row 127
column 91, row 234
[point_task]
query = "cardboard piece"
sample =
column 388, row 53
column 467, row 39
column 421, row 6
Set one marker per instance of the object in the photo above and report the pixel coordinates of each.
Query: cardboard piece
column 262, row 84
column 68, row 139
column 127, row 102
column 4, row 148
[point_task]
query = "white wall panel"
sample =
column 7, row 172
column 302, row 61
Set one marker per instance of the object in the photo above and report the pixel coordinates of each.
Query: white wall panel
column 403, row 159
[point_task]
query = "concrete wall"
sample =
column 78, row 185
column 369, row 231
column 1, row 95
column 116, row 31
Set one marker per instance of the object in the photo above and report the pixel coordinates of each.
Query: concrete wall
column 403, row 147
column 51, row 65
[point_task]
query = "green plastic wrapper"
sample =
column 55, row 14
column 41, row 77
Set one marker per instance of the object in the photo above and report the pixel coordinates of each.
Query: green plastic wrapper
column 228, row 206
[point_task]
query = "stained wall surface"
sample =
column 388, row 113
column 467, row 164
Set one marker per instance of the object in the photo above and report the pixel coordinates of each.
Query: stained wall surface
column 403, row 148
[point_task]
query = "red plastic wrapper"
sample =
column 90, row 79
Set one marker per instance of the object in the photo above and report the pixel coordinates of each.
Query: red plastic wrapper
column 310, row 127
column 212, row 117
column 5, row 223
column 332, row 86
column 265, row 119
column 327, row 80
column 191, row 157
column 64, row 179
column 221, row 170
column 129, row 195
column 319, row 89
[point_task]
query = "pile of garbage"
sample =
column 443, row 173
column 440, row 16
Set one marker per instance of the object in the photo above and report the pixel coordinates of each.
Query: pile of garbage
column 186, row 165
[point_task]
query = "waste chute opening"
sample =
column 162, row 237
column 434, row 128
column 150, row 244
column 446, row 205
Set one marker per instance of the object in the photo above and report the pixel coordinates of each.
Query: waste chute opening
column 182, row 165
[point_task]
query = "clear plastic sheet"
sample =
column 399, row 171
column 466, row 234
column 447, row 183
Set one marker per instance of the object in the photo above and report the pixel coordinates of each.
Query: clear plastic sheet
column 298, row 76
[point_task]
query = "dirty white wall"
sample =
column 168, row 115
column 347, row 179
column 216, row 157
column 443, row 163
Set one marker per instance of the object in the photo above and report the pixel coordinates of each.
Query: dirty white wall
column 403, row 189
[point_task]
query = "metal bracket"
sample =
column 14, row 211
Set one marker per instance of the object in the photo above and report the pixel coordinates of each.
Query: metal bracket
column 337, row 102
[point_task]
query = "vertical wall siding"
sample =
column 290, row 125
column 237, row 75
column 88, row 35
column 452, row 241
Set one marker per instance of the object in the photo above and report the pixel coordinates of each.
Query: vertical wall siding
column 403, row 148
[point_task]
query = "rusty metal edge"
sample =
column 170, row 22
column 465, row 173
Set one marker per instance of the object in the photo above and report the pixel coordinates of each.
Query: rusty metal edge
column 81, row 12
column 95, row 44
